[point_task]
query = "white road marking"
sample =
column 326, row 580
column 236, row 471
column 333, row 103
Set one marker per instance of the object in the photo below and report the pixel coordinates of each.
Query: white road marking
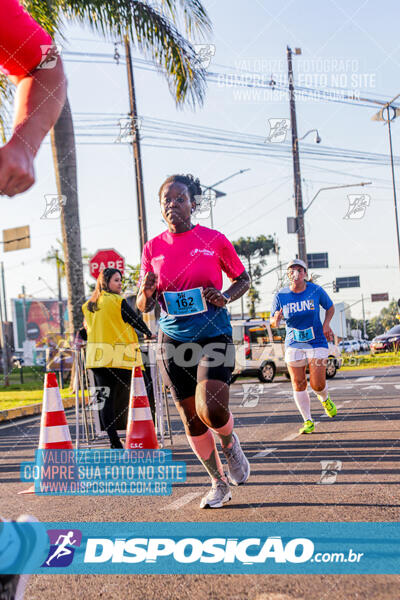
column 186, row 498
column 292, row 436
column 372, row 387
column 179, row 502
column 371, row 378
column 340, row 387
column 397, row 386
column 264, row 452
column 18, row 422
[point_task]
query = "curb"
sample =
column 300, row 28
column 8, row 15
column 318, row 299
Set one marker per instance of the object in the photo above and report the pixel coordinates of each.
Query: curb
column 29, row 410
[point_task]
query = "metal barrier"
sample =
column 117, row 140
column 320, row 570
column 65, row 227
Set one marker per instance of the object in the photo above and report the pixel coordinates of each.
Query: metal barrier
column 87, row 418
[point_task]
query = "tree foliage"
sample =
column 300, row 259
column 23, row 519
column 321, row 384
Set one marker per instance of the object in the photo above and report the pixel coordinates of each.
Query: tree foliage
column 386, row 319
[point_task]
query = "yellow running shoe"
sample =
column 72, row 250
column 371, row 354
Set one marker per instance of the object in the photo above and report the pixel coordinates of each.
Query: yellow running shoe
column 330, row 407
column 308, row 427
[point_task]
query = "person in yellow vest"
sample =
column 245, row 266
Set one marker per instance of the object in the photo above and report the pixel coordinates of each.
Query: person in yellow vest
column 112, row 348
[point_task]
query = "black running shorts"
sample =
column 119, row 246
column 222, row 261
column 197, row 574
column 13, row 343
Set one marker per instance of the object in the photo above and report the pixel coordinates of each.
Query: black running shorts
column 184, row 364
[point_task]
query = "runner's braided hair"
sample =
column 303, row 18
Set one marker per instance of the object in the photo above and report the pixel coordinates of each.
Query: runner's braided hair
column 192, row 184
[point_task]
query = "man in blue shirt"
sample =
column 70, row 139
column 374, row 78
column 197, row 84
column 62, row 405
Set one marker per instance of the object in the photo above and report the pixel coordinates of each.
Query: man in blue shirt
column 306, row 338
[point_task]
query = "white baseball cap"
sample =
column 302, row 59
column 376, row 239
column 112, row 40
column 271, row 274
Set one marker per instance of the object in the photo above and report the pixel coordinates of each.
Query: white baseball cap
column 297, row 261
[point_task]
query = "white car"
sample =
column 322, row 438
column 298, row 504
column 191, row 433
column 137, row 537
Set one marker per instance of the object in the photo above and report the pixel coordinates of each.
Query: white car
column 355, row 345
column 345, row 346
column 365, row 345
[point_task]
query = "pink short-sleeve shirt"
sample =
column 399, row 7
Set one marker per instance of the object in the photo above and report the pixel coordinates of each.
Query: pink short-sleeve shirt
column 191, row 259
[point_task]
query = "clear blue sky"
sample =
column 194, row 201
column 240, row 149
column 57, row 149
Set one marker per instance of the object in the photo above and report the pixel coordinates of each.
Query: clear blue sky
column 356, row 41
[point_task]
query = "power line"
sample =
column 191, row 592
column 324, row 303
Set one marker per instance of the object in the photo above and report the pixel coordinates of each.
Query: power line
column 330, row 93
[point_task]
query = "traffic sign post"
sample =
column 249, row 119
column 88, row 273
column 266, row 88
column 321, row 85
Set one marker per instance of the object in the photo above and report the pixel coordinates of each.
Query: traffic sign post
column 106, row 259
column 347, row 282
column 380, row 297
column 318, row 260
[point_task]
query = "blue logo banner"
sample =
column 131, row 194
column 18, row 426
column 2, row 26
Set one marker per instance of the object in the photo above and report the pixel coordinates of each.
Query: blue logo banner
column 215, row 548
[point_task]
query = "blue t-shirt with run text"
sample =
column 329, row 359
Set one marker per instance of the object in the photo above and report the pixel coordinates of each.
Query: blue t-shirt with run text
column 301, row 313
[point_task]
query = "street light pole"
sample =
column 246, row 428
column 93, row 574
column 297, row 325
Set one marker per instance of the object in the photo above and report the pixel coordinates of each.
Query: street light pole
column 211, row 187
column 379, row 116
column 301, row 239
column 393, row 179
column 363, row 312
column 336, row 187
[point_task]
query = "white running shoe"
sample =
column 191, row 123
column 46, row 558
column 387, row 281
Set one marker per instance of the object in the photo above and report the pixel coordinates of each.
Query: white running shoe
column 219, row 494
column 238, row 465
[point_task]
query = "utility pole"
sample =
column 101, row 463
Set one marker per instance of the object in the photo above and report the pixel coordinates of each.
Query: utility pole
column 4, row 291
column 4, row 348
column 61, row 318
column 24, row 310
column 301, row 239
column 136, row 148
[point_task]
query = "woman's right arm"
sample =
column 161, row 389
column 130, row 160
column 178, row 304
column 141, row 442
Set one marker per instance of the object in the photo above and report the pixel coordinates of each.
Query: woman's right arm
column 145, row 300
column 276, row 312
column 276, row 319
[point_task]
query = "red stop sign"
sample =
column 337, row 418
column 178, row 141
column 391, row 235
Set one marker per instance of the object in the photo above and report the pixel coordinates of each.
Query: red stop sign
column 106, row 258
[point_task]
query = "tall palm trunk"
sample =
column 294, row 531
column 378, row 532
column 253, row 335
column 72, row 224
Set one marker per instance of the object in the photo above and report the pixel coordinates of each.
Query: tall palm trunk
column 64, row 156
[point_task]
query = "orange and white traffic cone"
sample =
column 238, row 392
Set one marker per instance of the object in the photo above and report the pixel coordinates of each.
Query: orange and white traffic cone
column 54, row 430
column 140, row 432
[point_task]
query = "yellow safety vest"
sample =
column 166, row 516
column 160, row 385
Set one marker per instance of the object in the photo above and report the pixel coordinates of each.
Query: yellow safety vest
column 111, row 343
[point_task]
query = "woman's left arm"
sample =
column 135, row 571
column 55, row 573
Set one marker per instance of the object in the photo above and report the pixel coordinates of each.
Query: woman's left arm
column 328, row 333
column 239, row 286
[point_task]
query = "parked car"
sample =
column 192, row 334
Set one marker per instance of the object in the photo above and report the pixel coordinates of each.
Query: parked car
column 345, row 346
column 260, row 350
column 387, row 342
column 352, row 345
column 365, row 345
column 355, row 344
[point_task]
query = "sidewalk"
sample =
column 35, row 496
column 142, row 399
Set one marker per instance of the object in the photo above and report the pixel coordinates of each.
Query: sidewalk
column 29, row 410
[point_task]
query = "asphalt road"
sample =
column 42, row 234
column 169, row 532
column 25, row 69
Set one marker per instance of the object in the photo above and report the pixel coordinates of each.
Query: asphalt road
column 362, row 443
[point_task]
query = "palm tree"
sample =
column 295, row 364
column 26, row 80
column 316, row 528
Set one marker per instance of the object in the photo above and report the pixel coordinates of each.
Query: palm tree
column 56, row 256
column 153, row 30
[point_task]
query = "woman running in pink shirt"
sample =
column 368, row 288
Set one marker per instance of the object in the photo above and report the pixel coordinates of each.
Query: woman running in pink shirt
column 41, row 91
column 182, row 269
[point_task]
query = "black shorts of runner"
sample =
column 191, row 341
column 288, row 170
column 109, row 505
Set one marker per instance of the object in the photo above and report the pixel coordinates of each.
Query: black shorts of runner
column 184, row 364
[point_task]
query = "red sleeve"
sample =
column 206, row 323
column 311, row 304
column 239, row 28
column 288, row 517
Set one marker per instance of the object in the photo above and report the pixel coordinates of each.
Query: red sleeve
column 21, row 39
column 228, row 258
